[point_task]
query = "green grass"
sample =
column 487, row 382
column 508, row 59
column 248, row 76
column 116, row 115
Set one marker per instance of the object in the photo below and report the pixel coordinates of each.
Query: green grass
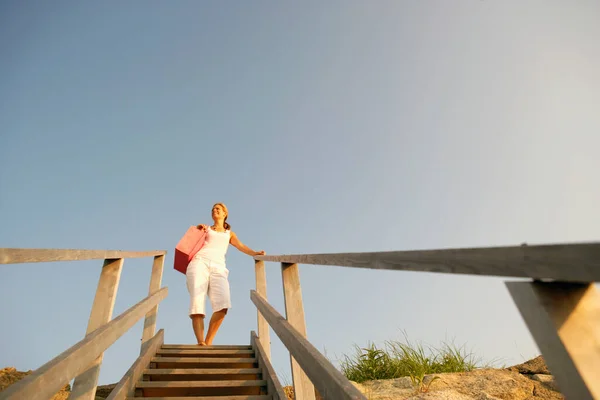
column 403, row 358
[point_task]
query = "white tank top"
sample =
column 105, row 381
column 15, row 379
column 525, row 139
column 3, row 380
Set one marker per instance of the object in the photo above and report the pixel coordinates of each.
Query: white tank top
column 215, row 246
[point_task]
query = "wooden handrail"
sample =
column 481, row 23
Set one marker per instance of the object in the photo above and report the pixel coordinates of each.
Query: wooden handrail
column 561, row 314
column 579, row 262
column 19, row 255
column 86, row 376
column 273, row 384
column 330, row 382
column 126, row 386
column 47, row 380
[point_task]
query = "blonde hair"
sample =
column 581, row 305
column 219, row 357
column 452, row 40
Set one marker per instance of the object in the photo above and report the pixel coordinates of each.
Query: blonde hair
column 224, row 207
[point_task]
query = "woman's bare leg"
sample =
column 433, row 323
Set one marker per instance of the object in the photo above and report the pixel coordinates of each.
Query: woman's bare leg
column 198, row 325
column 215, row 322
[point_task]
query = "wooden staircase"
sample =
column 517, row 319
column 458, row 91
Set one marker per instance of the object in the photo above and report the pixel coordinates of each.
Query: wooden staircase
column 185, row 372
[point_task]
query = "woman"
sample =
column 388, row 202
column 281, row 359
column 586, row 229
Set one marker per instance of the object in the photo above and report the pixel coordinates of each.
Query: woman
column 207, row 275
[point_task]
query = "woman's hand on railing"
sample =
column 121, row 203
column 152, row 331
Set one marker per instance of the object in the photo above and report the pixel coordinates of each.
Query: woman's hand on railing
column 259, row 253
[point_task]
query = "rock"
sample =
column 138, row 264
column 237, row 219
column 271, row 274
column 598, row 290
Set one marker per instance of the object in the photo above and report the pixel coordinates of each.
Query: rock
column 10, row 375
column 482, row 384
column 547, row 380
column 446, row 395
column 532, row 367
column 103, row 391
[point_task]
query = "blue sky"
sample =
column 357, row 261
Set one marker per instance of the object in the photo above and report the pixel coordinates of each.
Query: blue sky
column 339, row 127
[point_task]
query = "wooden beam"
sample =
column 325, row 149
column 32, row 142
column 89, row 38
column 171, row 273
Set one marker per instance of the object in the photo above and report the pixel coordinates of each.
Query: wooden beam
column 330, row 382
column 263, row 326
column 126, row 386
column 47, row 380
column 18, row 256
column 564, row 262
column 155, row 281
column 294, row 311
column 564, row 320
column 273, row 385
column 84, row 387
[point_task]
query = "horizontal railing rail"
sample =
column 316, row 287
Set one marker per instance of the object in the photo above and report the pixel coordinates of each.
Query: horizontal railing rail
column 19, row 255
column 562, row 262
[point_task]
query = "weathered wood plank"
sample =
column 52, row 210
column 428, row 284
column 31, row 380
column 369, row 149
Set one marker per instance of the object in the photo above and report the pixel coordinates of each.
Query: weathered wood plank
column 216, row 347
column 239, row 397
column 330, row 382
column 84, row 387
column 202, row 374
column 294, row 311
column 201, row 388
column 273, row 385
column 18, row 256
column 203, row 371
column 564, row 262
column 155, row 281
column 200, row 384
column 263, row 327
column 201, row 352
column 126, row 386
column 564, row 320
column 207, row 360
column 47, row 380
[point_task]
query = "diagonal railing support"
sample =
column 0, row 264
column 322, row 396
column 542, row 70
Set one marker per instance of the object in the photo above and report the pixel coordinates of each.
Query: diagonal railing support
column 564, row 320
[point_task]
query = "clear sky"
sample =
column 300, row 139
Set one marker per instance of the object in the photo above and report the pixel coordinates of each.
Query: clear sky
column 325, row 127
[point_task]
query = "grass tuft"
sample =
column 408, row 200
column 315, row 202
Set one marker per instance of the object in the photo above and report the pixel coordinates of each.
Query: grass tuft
column 403, row 358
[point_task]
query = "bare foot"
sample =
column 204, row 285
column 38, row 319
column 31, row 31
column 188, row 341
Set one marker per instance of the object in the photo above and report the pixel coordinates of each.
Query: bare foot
column 202, row 344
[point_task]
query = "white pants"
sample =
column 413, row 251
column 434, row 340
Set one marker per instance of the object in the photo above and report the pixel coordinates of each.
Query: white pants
column 203, row 278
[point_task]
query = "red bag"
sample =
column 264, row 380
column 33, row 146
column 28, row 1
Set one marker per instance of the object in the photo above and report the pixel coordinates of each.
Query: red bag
column 188, row 246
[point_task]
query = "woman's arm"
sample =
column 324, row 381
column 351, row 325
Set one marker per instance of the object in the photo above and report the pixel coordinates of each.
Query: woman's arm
column 243, row 248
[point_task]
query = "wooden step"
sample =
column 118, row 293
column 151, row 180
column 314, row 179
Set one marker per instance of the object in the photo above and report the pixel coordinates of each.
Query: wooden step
column 216, row 353
column 204, row 362
column 212, row 347
column 250, row 397
column 202, row 374
column 201, row 388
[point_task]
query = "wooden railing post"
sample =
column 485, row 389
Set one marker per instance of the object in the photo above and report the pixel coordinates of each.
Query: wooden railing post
column 84, row 387
column 564, row 320
column 294, row 311
column 263, row 326
column 155, row 281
